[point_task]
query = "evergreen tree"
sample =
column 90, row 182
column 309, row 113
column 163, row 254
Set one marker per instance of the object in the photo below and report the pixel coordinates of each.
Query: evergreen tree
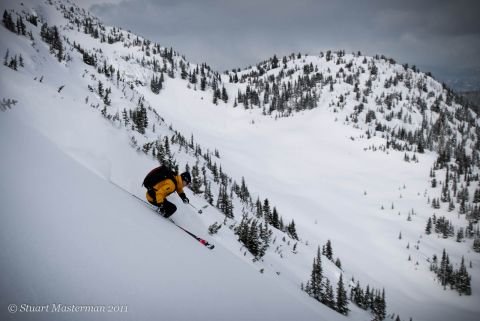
column 216, row 96
column 428, row 228
column 88, row 59
column 156, row 84
column 460, row 235
column 253, row 236
column 274, row 62
column 451, row 206
column 57, row 44
column 183, row 73
column 13, row 63
column 140, row 119
column 258, row 208
column 291, row 229
column 338, row 263
column 459, row 279
column 126, row 119
column 196, row 181
column 443, row 271
column 342, row 300
column 476, row 196
column 378, row 305
column 224, row 95
column 253, row 243
column 275, row 219
column 208, row 194
column 32, row 19
column 213, row 229
column 266, row 211
column 358, row 296
column 368, row 297
column 265, row 236
column 316, row 277
column 8, row 21
column 463, row 280
column 328, row 298
column 100, row 89
column 106, row 99
column 244, row 193
column 21, row 28
column 476, row 244
column 328, row 250
column 193, row 78
column 224, row 203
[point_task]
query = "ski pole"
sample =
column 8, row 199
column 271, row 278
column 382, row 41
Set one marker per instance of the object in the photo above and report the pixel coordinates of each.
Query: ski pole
column 199, row 211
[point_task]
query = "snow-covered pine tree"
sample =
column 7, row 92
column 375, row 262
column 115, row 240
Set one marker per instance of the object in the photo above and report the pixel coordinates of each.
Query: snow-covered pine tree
column 342, row 299
column 275, row 218
column 244, row 193
column 378, row 305
column 328, row 250
column 196, row 181
column 258, row 208
column 476, row 244
column 292, row 231
column 358, row 297
column 265, row 237
column 316, row 277
column 8, row 21
column 428, row 228
column 208, row 193
column 328, row 298
column 156, row 84
column 224, row 95
column 267, row 214
column 462, row 280
column 224, row 202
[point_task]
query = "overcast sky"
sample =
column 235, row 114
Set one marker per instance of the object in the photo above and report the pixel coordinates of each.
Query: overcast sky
column 441, row 36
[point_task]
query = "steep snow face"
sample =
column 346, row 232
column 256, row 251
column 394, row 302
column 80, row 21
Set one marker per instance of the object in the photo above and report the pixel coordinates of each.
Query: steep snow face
column 70, row 237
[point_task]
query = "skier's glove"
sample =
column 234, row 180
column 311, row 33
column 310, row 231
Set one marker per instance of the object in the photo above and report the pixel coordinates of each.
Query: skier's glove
column 184, row 198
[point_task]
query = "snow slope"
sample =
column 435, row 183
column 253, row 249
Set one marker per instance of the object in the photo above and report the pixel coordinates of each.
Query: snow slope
column 335, row 189
column 70, row 237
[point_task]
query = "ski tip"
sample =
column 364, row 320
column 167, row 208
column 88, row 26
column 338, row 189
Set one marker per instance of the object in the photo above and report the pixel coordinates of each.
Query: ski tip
column 210, row 246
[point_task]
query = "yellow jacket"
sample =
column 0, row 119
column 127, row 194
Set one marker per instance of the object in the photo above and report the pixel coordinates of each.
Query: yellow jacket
column 165, row 188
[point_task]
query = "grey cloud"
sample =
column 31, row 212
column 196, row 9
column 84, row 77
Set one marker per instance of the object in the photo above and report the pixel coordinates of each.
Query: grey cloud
column 439, row 35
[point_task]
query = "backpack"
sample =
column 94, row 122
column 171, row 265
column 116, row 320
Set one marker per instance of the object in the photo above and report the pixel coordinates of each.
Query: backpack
column 157, row 175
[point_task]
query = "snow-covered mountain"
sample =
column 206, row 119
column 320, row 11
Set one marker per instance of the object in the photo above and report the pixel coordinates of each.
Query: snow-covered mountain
column 334, row 152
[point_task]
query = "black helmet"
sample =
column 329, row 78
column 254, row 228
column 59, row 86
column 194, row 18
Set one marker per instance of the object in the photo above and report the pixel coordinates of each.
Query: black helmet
column 186, row 177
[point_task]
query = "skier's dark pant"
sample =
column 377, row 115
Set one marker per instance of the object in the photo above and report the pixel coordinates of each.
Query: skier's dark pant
column 168, row 208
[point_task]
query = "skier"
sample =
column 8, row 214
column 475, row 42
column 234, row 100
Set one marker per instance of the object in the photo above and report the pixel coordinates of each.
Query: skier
column 160, row 183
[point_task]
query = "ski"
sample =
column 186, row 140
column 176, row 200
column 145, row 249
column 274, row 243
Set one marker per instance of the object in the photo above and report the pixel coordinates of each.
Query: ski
column 199, row 239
